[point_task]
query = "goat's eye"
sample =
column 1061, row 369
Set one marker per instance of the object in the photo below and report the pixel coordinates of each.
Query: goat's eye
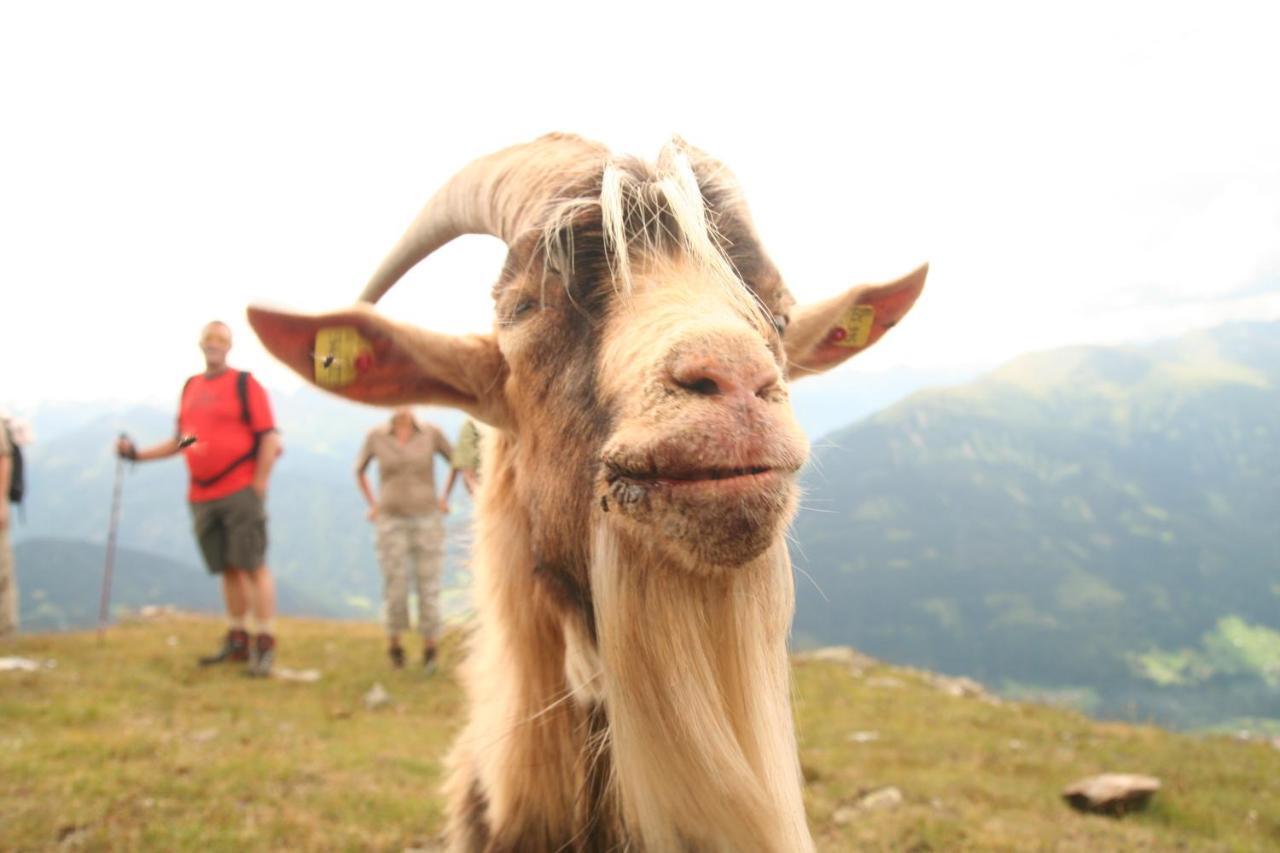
column 780, row 322
column 521, row 309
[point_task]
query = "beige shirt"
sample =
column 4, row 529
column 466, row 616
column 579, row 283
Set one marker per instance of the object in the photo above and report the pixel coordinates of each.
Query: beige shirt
column 406, row 472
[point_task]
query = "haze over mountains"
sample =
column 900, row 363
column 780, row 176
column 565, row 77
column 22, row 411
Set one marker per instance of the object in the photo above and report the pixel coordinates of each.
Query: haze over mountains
column 320, row 540
column 1097, row 524
column 1091, row 524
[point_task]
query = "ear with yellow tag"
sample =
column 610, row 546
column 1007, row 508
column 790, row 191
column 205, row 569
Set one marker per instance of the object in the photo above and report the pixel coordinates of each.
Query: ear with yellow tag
column 365, row 356
column 339, row 353
column 824, row 334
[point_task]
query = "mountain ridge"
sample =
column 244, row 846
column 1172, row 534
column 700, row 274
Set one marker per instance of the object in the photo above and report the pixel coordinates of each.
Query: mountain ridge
column 1052, row 524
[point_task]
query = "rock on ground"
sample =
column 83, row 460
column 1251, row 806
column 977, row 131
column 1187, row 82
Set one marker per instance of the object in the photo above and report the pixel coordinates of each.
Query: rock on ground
column 1112, row 794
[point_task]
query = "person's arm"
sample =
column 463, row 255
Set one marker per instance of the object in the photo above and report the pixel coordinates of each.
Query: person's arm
column 363, row 482
column 445, row 450
column 126, row 448
column 443, row 503
column 263, row 424
column 6, row 473
column 268, row 451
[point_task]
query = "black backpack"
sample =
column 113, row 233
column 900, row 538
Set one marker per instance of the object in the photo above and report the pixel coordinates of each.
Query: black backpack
column 242, row 389
column 17, row 482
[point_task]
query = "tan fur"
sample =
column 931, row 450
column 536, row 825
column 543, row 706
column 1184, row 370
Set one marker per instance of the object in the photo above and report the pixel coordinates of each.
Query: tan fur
column 627, row 673
column 518, row 743
column 690, row 665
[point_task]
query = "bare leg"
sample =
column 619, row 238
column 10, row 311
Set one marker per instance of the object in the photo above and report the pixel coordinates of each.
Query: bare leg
column 264, row 594
column 235, row 592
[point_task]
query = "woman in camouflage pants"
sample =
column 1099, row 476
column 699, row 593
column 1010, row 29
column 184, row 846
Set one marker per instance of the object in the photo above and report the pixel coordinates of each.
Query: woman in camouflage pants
column 410, row 524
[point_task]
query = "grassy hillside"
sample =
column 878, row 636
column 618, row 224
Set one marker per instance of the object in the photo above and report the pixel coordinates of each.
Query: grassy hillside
column 126, row 745
column 1092, row 523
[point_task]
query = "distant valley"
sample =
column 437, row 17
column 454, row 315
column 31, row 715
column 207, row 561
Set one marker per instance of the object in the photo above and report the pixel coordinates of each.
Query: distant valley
column 1091, row 525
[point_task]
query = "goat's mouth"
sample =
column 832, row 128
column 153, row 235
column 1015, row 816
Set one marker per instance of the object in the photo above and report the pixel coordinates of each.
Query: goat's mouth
column 720, row 514
column 686, row 478
column 632, row 481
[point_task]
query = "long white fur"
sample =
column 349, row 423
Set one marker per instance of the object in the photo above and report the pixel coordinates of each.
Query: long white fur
column 696, row 681
column 691, row 667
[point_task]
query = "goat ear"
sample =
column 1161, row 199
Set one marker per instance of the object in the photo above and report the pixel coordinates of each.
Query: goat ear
column 362, row 355
column 824, row 334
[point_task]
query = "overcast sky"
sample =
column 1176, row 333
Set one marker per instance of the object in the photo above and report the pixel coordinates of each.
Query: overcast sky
column 1088, row 174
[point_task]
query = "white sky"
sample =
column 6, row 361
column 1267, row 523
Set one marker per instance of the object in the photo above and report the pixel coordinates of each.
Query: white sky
column 1081, row 174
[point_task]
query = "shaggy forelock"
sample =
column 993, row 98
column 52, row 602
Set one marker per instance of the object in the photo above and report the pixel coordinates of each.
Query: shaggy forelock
column 634, row 215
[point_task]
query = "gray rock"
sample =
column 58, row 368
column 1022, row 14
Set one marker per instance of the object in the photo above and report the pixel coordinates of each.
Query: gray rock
column 958, row 686
column 12, row 664
column 843, row 655
column 879, row 800
column 306, row 676
column 377, row 697
column 1112, row 794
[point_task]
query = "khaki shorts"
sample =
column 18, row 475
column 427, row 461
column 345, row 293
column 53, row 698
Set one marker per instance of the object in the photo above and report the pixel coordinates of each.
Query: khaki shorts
column 232, row 531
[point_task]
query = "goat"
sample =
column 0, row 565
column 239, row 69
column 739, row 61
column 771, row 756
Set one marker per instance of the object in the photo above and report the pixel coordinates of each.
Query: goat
column 627, row 675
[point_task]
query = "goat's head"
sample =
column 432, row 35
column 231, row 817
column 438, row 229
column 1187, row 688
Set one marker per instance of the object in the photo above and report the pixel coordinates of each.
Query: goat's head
column 639, row 360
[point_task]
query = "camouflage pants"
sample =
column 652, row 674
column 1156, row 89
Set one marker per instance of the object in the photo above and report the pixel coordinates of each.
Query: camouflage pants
column 411, row 549
column 8, row 587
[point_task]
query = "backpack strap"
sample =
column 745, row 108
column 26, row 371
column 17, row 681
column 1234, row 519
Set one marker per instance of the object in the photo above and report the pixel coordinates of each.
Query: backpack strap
column 242, row 388
column 17, row 476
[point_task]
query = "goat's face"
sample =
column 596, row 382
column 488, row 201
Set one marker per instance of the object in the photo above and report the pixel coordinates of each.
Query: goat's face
column 703, row 448
column 640, row 354
column 658, row 404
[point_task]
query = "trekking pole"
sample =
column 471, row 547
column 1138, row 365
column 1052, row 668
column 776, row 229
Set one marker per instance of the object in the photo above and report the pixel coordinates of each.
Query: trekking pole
column 111, row 546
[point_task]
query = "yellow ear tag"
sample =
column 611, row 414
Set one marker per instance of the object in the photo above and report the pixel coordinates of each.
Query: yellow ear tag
column 854, row 329
column 341, row 352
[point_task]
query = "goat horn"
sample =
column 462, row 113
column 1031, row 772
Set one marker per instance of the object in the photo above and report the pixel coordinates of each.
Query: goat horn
column 501, row 195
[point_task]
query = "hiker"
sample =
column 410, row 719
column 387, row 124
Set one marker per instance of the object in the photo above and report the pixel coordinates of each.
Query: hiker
column 409, row 523
column 8, row 578
column 466, row 459
column 235, row 445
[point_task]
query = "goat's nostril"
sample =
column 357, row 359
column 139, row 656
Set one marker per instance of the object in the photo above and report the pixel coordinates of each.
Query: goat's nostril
column 704, row 386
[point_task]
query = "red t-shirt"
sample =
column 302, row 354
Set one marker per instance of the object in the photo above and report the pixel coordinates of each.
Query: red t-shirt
column 210, row 410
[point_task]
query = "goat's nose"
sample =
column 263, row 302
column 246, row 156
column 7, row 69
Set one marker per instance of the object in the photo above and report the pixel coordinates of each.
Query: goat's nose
column 708, row 374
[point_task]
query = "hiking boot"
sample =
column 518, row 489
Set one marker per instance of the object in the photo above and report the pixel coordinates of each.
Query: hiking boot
column 429, row 661
column 264, row 655
column 235, row 649
column 396, row 653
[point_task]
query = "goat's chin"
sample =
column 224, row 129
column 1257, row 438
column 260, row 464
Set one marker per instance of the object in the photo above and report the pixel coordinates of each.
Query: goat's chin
column 710, row 527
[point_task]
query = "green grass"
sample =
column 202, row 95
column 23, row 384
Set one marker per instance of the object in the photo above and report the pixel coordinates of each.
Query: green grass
column 127, row 745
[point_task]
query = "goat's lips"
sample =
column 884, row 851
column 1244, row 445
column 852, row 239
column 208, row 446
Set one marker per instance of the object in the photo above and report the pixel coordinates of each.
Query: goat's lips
column 690, row 479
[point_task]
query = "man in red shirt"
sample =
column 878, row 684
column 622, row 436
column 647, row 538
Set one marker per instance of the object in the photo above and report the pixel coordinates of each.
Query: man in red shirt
column 235, row 445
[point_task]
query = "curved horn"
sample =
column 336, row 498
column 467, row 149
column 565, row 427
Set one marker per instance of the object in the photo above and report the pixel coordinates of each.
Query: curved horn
column 500, row 195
